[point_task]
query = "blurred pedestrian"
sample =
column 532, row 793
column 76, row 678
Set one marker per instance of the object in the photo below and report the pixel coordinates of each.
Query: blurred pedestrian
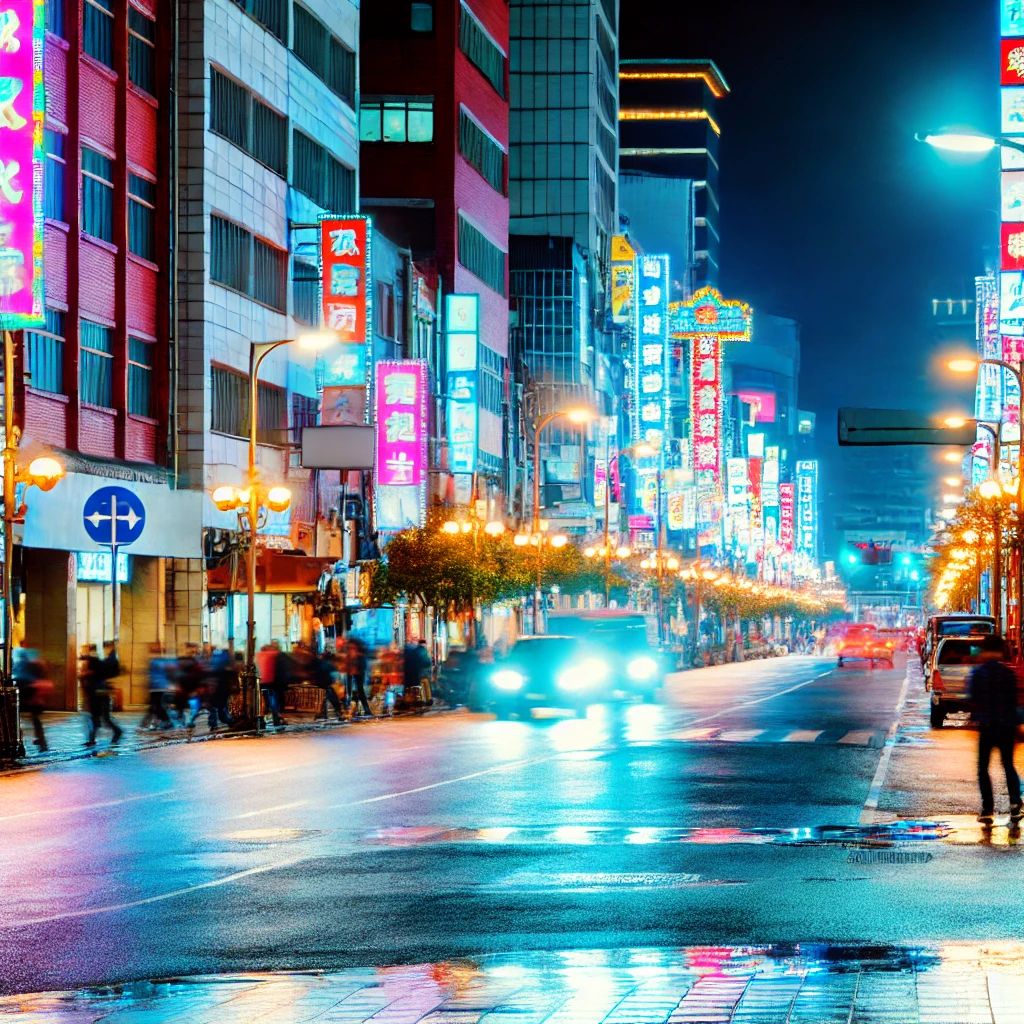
column 357, row 664
column 993, row 693
column 191, row 683
column 220, row 685
column 94, row 675
column 284, row 675
column 29, row 674
column 416, row 669
column 325, row 676
column 162, row 684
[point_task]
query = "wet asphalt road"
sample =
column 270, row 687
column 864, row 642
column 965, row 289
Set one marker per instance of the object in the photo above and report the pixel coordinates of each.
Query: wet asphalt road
column 695, row 821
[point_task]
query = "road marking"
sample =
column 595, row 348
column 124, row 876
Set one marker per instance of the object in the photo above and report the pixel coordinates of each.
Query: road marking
column 270, row 771
column 760, row 700
column 858, row 737
column 802, row 736
column 740, row 735
column 695, row 734
column 111, row 908
column 867, row 814
column 446, row 782
column 87, row 807
column 269, row 810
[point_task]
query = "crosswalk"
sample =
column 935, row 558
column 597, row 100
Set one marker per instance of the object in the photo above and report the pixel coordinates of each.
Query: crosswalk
column 820, row 737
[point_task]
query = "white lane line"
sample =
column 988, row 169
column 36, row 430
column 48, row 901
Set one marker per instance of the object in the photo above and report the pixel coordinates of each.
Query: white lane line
column 740, row 735
column 111, row 908
column 447, row 782
column 269, row 771
column 867, row 814
column 268, row 810
column 802, row 736
column 858, row 737
column 87, row 807
column 759, row 700
column 694, row 735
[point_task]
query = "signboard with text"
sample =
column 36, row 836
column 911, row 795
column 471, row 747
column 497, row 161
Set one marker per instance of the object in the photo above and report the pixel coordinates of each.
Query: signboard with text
column 401, row 396
column 345, row 277
column 22, row 105
column 651, row 356
column 807, row 507
column 462, row 334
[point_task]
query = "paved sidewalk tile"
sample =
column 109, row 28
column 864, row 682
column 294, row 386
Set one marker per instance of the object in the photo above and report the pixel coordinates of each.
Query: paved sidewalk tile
column 956, row 984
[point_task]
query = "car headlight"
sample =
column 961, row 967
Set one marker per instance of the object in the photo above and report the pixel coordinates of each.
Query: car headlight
column 508, row 679
column 588, row 673
column 641, row 669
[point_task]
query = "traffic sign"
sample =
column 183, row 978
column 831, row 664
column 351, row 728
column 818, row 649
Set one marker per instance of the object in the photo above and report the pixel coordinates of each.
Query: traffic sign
column 114, row 516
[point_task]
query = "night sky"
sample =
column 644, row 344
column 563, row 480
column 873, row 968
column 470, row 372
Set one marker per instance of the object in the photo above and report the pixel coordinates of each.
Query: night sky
column 831, row 212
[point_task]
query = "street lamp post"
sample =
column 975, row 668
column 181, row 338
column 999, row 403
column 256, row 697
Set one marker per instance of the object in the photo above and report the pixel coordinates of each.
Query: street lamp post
column 250, row 502
column 45, row 473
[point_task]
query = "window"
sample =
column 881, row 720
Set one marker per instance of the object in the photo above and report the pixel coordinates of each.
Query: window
column 397, row 119
column 247, row 264
column 44, row 349
column 96, row 367
column 55, row 17
column 98, row 30
column 482, row 152
column 140, row 377
column 384, row 309
column 305, row 291
column 97, row 195
column 421, row 17
column 53, row 176
column 141, row 50
column 229, row 412
column 480, row 256
column 141, row 217
column 250, row 124
column 328, row 182
column 304, row 414
column 324, row 54
column 481, row 50
column 271, row 14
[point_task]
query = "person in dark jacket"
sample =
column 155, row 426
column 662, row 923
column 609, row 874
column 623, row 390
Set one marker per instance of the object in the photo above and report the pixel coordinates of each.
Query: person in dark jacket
column 993, row 694
column 95, row 676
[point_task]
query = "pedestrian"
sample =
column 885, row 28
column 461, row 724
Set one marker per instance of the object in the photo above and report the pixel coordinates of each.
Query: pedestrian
column 95, row 675
column 416, row 669
column 993, row 694
column 191, row 680
column 284, row 676
column 356, row 667
column 29, row 675
column 220, row 684
column 162, row 673
column 324, row 675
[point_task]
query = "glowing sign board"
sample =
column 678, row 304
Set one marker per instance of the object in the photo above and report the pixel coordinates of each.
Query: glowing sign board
column 346, row 367
column 462, row 326
column 1012, row 192
column 401, row 395
column 1011, row 302
column 22, row 104
column 807, row 507
column 1011, row 247
column 94, row 566
column 1011, row 17
column 708, row 313
column 1011, row 62
column 623, row 268
column 1012, row 110
column 787, row 498
column 650, row 379
column 345, row 275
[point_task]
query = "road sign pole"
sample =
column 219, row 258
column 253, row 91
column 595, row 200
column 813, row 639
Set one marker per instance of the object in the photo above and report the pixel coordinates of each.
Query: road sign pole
column 115, row 582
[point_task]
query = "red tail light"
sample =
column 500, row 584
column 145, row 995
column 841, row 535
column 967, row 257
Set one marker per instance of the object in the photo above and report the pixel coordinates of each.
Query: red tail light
column 937, row 683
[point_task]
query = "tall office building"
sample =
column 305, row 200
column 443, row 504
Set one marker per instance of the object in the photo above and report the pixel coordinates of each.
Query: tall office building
column 669, row 127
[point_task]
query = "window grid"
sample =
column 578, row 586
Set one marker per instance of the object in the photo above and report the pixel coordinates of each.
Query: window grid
column 142, row 217
column 229, row 412
column 324, row 54
column 246, row 264
column 140, row 377
column 480, row 256
column 53, row 176
column 396, row 119
column 44, row 348
column 55, row 17
column 305, row 410
column 97, row 195
column 305, row 291
column 482, row 152
column 243, row 119
column 317, row 174
column 481, row 50
column 98, row 30
column 141, row 50
column 96, row 364
column 271, row 14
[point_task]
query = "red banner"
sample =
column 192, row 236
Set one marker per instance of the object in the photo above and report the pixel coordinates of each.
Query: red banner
column 344, row 269
column 706, row 408
column 1012, row 247
column 787, row 501
column 1011, row 62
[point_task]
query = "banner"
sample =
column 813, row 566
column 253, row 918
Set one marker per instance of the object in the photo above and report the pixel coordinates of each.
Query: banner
column 345, row 276
column 651, row 356
column 401, row 396
column 462, row 336
column 786, row 510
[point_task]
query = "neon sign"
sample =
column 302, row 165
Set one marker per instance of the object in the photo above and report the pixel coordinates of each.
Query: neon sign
column 22, row 104
column 401, row 395
column 462, row 327
column 345, row 276
column 650, row 380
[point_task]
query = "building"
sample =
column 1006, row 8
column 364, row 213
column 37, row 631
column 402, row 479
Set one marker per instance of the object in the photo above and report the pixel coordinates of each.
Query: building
column 267, row 142
column 434, row 138
column 95, row 385
column 670, row 127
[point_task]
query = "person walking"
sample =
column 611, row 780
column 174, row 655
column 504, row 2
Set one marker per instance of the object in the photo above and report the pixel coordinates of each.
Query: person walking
column 323, row 674
column 94, row 676
column 29, row 675
column 222, row 680
column 993, row 694
column 162, row 672
column 357, row 666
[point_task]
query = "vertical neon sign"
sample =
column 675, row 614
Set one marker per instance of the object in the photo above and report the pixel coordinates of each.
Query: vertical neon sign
column 22, row 105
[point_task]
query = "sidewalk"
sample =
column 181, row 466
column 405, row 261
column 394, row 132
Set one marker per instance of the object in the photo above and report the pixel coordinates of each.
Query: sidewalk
column 957, row 984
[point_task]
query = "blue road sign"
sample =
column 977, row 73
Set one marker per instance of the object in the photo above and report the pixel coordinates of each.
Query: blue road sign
column 114, row 516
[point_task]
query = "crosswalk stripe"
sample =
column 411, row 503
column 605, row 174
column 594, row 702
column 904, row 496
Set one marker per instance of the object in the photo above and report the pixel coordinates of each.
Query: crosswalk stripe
column 860, row 737
column 695, row 734
column 803, row 736
column 741, row 735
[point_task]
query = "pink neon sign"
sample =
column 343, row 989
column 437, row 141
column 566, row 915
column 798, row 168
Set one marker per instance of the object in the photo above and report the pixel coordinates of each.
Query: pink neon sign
column 21, row 162
column 401, row 405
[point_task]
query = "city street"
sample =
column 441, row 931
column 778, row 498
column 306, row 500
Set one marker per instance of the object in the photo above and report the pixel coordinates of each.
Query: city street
column 740, row 812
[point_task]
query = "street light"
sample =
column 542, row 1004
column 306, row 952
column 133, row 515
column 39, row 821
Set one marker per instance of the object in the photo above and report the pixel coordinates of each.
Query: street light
column 253, row 498
column 967, row 143
column 955, row 422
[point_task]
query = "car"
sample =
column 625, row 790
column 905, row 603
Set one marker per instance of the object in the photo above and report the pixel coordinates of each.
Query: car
column 863, row 642
column 952, row 624
column 627, row 641
column 953, row 660
column 549, row 671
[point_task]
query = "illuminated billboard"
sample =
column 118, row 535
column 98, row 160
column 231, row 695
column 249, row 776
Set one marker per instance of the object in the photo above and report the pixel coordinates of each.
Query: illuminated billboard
column 651, row 356
column 401, row 395
column 1011, row 247
column 21, row 163
column 787, row 499
column 807, row 507
column 345, row 277
column 1011, row 17
column 462, row 335
column 762, row 404
column 1011, row 62
column 623, row 264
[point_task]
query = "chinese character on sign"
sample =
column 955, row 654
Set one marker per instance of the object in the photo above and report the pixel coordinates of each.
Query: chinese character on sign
column 708, row 369
column 651, row 383
column 706, row 347
column 1015, row 245
column 707, row 425
column 343, row 242
column 8, row 186
column 651, row 267
column 341, row 316
column 400, row 389
column 344, row 280
column 651, row 323
column 1015, row 60
column 652, row 295
column 401, row 426
column 652, row 355
column 650, row 412
column 706, row 397
column 401, row 468
column 706, row 454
